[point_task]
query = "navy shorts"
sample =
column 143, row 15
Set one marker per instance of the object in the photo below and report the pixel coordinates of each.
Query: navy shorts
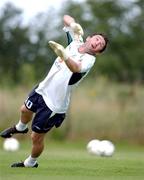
column 42, row 121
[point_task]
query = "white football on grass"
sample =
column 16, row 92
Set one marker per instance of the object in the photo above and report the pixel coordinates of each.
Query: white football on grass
column 107, row 148
column 101, row 148
column 93, row 147
column 11, row 144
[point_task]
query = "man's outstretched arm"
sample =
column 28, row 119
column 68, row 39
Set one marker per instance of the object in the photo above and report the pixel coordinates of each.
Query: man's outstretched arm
column 61, row 52
column 75, row 27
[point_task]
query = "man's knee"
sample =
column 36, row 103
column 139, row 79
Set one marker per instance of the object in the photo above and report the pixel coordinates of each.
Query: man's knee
column 24, row 110
column 37, row 138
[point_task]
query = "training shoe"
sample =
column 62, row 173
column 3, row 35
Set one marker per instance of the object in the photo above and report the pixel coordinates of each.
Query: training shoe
column 21, row 164
column 7, row 133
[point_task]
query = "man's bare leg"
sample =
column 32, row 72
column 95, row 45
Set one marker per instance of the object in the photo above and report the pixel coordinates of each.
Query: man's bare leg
column 21, row 126
column 25, row 118
column 37, row 149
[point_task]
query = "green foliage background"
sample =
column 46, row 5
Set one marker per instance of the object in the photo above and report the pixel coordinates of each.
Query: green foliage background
column 26, row 47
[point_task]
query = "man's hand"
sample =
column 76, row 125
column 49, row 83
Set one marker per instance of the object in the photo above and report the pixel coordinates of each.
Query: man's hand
column 59, row 50
column 77, row 28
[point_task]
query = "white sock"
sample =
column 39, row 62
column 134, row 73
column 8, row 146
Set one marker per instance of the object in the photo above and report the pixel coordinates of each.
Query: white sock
column 21, row 126
column 30, row 162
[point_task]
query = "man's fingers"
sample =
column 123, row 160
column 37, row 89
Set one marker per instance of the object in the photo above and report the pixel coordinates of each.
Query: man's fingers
column 54, row 45
column 51, row 43
column 77, row 28
column 59, row 50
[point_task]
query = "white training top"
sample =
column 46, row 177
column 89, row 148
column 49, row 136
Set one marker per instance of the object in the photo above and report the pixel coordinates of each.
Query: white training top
column 57, row 86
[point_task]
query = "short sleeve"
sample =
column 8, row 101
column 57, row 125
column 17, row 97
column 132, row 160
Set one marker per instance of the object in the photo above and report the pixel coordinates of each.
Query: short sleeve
column 87, row 62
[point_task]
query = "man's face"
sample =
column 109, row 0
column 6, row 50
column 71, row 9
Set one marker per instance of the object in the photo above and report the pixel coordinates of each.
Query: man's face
column 95, row 43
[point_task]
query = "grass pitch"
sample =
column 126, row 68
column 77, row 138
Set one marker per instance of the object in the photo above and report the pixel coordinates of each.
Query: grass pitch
column 70, row 161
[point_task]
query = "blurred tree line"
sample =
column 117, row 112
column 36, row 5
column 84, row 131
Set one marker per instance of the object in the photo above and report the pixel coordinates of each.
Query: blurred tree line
column 25, row 56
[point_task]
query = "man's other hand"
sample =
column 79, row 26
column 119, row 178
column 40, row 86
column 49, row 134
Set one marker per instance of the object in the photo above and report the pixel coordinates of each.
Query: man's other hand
column 59, row 50
column 77, row 28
